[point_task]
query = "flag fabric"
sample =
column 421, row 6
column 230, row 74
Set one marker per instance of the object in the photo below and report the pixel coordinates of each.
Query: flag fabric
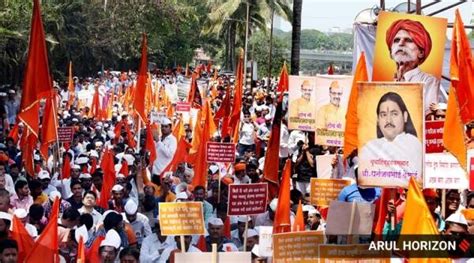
column 194, row 96
column 331, row 69
column 22, row 237
column 282, row 223
column 140, row 98
column 227, row 228
column 298, row 224
column 201, row 244
column 460, row 101
column 150, row 144
column 95, row 111
column 283, row 82
column 224, row 113
column 107, row 166
column 351, row 140
column 15, row 133
column 381, row 211
column 272, row 155
column 417, row 219
column 49, row 126
column 46, row 246
column 93, row 255
column 462, row 70
column 238, row 91
column 124, row 168
column 81, row 252
column 181, row 155
column 66, row 169
column 70, row 87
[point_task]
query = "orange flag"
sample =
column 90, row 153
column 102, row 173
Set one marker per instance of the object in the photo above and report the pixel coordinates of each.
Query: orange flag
column 107, row 166
column 95, row 107
column 283, row 82
column 227, row 227
column 66, row 169
column 37, row 84
column 93, row 255
column 150, row 144
column 181, row 155
column 201, row 244
column 139, row 99
column 46, row 246
column 460, row 106
column 224, row 113
column 124, row 168
column 21, row 236
column 49, row 126
column 350, row 133
column 70, row 86
column 238, row 91
column 299, row 224
column 462, row 70
column 272, row 156
column 178, row 130
column 186, row 74
column 81, row 251
column 15, row 133
column 194, row 96
column 282, row 223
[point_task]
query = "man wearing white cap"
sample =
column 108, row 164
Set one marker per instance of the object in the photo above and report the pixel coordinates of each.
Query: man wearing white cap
column 237, row 235
column 45, row 179
column 216, row 235
column 154, row 245
column 263, row 133
column 109, row 247
column 65, row 184
column 167, row 255
column 456, row 224
column 5, row 223
column 165, row 147
column 140, row 228
column 252, row 239
column 23, row 216
column 314, row 220
column 266, row 219
column 117, row 203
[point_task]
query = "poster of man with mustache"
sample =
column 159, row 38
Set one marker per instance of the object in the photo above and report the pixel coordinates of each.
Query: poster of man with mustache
column 390, row 133
column 410, row 48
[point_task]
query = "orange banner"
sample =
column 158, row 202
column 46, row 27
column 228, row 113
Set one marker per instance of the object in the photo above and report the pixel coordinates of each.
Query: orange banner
column 297, row 246
column 184, row 218
column 325, row 190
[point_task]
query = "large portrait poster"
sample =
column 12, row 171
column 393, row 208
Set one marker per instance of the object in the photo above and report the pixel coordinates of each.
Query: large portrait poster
column 332, row 97
column 302, row 103
column 410, row 48
column 390, row 133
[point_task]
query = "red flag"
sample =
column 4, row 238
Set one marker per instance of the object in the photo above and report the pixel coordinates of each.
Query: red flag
column 150, row 144
column 282, row 82
column 227, row 227
column 49, row 126
column 46, row 246
column 282, row 223
column 330, row 69
column 107, row 166
column 93, row 255
column 299, row 224
column 238, row 91
column 28, row 143
column 272, row 156
column 201, row 244
column 462, row 70
column 15, row 133
column 381, row 207
column 93, row 165
column 194, row 96
column 139, row 99
column 95, row 108
column 181, row 155
column 24, row 240
column 81, row 251
column 66, row 170
column 124, row 168
column 351, row 140
column 224, row 112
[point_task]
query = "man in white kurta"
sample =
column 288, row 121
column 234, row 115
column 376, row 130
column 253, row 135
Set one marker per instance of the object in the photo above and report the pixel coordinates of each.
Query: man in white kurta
column 165, row 147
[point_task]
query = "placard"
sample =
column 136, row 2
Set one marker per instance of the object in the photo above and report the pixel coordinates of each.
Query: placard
column 265, row 241
column 302, row 103
column 65, row 134
column 434, row 136
column 390, row 133
column 323, row 191
column 220, row 152
column 182, row 107
column 227, row 257
column 297, row 246
column 357, row 253
column 182, row 218
column 339, row 218
column 443, row 171
column 247, row 199
column 332, row 97
column 324, row 167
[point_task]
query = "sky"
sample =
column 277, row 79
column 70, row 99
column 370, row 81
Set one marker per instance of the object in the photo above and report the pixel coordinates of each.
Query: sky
column 324, row 15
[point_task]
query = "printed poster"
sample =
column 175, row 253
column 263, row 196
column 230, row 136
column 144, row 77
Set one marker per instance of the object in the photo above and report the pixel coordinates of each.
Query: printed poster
column 302, row 103
column 410, row 48
column 332, row 97
column 390, row 133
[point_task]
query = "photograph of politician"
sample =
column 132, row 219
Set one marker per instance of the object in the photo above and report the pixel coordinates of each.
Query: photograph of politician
column 395, row 153
column 302, row 103
column 411, row 50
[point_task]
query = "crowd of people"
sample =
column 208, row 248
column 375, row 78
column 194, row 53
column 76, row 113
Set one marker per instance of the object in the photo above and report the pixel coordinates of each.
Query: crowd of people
column 128, row 228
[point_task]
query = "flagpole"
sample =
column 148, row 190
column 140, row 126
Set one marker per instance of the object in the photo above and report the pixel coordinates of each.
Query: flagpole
column 139, row 127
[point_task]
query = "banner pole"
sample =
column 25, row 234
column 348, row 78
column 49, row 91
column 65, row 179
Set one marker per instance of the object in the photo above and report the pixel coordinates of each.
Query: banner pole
column 183, row 245
column 351, row 222
column 245, row 232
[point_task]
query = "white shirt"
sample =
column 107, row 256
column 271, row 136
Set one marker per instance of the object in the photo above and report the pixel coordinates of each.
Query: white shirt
column 247, row 134
column 152, row 248
column 96, row 216
column 165, row 150
column 9, row 184
column 295, row 137
column 431, row 85
column 284, row 137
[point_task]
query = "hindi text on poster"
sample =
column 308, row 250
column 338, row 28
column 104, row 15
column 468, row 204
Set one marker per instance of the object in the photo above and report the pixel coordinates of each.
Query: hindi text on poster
column 434, row 136
column 325, row 190
column 297, row 246
column 65, row 134
column 183, row 107
column 184, row 218
column 220, row 152
column 247, row 199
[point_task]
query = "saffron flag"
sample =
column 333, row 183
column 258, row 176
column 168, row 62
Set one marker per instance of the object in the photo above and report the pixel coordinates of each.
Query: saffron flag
column 107, row 166
column 238, row 91
column 49, row 126
column 66, row 169
column 200, row 166
column 150, row 144
column 350, row 133
column 283, row 82
column 81, row 251
column 194, row 96
column 272, row 155
column 460, row 101
column 299, row 224
column 139, row 98
column 22, row 237
column 46, row 246
column 282, row 223
column 70, row 87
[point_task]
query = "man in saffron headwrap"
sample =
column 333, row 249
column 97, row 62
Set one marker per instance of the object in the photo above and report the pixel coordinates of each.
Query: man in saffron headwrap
column 410, row 44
